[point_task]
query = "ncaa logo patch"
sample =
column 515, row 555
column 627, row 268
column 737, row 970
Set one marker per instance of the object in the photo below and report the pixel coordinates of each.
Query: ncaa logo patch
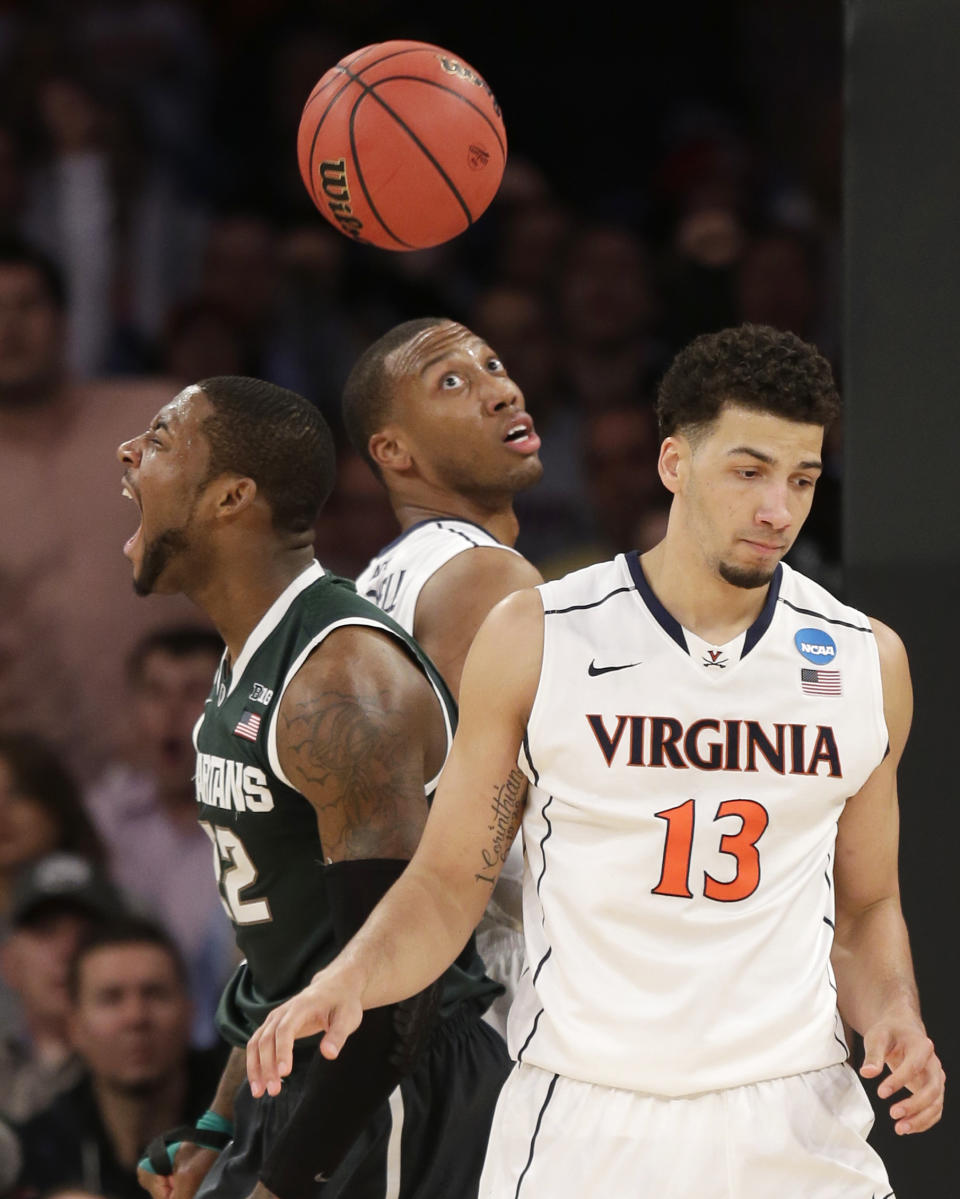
column 816, row 646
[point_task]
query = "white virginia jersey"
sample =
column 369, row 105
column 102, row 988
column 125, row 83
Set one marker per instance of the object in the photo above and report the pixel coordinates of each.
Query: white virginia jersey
column 680, row 831
column 394, row 579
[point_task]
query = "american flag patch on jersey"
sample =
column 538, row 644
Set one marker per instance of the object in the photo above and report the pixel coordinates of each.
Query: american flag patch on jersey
column 820, row 682
column 249, row 725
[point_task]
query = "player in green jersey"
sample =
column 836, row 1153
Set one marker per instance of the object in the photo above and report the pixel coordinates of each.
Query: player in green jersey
column 319, row 746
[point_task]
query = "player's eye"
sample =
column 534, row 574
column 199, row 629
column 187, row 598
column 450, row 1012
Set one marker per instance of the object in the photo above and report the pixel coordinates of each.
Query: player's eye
column 494, row 365
column 450, row 381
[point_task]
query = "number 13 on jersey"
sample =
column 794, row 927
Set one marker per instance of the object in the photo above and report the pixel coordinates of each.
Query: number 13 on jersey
column 740, row 845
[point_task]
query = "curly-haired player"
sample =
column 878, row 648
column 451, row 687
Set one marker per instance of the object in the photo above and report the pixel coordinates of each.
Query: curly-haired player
column 710, row 742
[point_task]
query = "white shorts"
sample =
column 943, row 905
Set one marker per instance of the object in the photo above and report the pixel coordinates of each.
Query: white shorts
column 802, row 1137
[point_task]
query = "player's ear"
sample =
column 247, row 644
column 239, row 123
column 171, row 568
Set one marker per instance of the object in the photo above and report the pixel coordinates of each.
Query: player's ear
column 389, row 450
column 234, row 494
column 673, row 453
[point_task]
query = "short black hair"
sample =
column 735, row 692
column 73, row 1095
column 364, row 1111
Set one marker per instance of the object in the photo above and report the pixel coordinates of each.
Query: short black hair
column 178, row 641
column 132, row 929
column 17, row 251
column 755, row 366
column 275, row 437
column 366, row 394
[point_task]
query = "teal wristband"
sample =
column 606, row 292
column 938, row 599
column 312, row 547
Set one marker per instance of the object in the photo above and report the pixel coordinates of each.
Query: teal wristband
column 214, row 1122
column 209, row 1122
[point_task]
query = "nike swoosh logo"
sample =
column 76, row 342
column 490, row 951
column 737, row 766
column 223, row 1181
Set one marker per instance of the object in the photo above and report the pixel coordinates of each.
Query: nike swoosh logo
column 593, row 669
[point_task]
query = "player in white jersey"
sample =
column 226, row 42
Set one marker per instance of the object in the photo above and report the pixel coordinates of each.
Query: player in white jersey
column 711, row 832
column 443, row 426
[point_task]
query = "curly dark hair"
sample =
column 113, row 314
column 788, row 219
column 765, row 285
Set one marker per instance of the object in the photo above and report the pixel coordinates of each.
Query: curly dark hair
column 755, row 366
column 366, row 393
column 275, row 437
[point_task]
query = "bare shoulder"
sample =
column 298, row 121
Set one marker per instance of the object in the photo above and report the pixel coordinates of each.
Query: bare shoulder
column 897, row 684
column 488, row 562
column 889, row 644
column 456, row 599
column 506, row 656
column 358, row 732
column 475, row 580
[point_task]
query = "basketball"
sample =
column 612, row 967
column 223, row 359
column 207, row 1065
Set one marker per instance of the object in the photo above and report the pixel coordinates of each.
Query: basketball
column 401, row 145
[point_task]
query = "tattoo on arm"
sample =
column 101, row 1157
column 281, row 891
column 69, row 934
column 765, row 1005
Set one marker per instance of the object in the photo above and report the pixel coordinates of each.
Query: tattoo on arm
column 358, row 764
column 506, row 809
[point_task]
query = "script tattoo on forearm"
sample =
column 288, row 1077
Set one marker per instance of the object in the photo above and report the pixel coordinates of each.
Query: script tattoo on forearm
column 354, row 759
column 506, row 808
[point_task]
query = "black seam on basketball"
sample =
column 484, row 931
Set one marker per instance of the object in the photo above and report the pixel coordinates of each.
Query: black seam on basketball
column 370, row 87
column 313, row 143
column 344, row 69
column 370, row 90
column 374, row 212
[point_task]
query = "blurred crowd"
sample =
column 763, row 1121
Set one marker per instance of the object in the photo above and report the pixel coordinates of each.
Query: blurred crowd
column 154, row 231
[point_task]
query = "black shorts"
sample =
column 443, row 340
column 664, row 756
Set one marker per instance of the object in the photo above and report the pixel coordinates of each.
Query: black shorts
column 427, row 1142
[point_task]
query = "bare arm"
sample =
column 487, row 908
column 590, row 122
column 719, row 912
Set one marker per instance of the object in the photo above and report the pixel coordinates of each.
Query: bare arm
column 877, row 991
column 192, row 1162
column 359, row 730
column 456, row 599
column 424, row 920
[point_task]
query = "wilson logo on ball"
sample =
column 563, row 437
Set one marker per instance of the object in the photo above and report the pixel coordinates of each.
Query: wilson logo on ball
column 333, row 183
column 452, row 67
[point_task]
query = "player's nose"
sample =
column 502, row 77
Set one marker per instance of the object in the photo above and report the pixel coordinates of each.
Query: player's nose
column 129, row 453
column 775, row 510
column 502, row 393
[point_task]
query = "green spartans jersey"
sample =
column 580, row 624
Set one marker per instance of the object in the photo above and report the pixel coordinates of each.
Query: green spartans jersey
column 267, row 852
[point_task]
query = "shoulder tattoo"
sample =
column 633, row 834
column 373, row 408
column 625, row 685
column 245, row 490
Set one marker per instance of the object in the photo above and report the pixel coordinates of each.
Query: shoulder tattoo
column 356, row 762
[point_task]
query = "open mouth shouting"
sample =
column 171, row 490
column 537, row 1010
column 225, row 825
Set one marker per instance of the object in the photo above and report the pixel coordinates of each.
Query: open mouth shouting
column 129, row 491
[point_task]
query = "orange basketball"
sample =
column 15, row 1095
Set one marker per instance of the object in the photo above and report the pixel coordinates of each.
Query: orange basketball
column 401, row 145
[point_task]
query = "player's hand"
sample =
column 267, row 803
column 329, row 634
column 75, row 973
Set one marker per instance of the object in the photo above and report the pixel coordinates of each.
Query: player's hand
column 190, row 1168
column 327, row 1004
column 914, row 1066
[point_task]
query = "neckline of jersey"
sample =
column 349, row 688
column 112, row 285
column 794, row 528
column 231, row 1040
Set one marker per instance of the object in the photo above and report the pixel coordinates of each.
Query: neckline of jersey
column 271, row 618
column 437, row 520
column 672, row 627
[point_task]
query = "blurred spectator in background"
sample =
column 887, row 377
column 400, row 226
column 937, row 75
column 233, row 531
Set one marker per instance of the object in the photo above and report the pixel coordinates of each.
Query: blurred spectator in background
column 113, row 214
column 321, row 317
column 515, row 322
column 200, row 339
column 606, row 314
column 41, row 810
column 778, row 283
column 66, row 607
column 240, row 273
column 626, row 503
column 130, row 1024
column 12, row 185
column 145, row 807
column 58, row 901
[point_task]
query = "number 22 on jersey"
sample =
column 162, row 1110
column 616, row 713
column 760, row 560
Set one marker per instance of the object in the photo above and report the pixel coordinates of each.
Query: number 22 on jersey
column 235, row 872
